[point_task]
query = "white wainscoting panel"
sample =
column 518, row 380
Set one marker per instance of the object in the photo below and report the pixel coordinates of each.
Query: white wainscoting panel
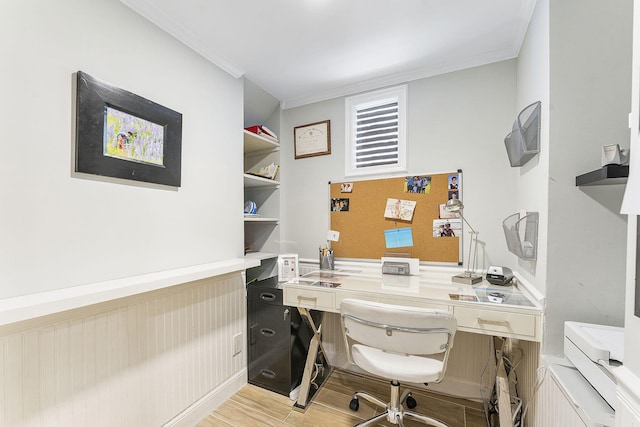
column 552, row 407
column 138, row 361
column 628, row 412
column 528, row 376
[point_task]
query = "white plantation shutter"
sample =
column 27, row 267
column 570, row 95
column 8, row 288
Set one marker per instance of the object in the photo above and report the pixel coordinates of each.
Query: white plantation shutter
column 377, row 135
column 375, row 132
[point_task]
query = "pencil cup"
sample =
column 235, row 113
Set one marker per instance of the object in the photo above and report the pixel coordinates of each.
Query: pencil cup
column 326, row 261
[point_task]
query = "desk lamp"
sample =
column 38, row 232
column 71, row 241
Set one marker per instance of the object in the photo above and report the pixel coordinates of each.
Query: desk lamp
column 469, row 277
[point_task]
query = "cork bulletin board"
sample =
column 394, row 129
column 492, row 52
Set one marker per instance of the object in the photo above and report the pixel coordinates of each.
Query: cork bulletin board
column 397, row 215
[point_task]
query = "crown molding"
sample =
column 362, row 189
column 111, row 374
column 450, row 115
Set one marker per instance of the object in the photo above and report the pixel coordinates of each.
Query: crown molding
column 397, row 78
column 147, row 10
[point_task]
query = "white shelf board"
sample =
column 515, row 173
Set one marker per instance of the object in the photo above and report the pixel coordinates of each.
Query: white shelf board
column 26, row 307
column 260, row 255
column 253, row 142
column 260, row 219
column 257, row 181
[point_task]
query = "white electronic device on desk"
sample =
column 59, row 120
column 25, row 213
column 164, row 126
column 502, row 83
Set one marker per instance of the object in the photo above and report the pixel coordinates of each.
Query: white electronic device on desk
column 595, row 350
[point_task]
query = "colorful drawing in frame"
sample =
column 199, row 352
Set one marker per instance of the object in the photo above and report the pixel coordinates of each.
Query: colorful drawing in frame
column 132, row 138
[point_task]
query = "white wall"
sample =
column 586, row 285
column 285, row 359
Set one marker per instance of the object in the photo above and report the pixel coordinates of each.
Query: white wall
column 60, row 230
column 628, row 411
column 532, row 192
column 576, row 60
column 455, row 121
column 590, row 83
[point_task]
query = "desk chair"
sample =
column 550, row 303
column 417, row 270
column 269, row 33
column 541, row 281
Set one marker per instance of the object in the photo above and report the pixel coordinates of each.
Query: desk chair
column 403, row 344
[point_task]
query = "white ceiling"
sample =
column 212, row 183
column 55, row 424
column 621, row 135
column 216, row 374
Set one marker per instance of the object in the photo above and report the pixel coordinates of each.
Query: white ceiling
column 303, row 51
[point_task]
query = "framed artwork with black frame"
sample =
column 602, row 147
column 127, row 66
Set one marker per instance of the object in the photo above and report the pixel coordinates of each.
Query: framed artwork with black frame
column 122, row 135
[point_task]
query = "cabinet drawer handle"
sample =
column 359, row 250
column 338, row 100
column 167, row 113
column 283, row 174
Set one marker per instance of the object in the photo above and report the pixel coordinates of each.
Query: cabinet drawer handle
column 504, row 323
column 309, row 298
column 267, row 332
column 267, row 296
column 268, row 373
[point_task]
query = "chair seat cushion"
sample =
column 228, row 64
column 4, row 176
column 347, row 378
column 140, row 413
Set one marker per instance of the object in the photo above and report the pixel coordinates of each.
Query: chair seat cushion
column 401, row 367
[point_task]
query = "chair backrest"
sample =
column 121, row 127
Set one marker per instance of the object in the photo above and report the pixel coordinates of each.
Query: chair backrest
column 395, row 328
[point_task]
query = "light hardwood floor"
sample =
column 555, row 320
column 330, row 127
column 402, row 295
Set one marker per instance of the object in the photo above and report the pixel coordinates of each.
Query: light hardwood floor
column 254, row 406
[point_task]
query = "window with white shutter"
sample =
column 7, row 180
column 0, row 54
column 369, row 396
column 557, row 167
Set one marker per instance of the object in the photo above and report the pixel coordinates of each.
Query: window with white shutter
column 375, row 140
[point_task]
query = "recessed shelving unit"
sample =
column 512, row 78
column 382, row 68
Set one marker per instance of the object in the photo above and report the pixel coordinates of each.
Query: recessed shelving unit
column 261, row 231
column 607, row 175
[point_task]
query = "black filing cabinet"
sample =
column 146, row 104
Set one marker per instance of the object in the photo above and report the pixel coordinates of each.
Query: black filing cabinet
column 278, row 338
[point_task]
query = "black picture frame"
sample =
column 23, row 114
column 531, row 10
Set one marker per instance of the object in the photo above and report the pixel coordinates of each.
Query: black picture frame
column 93, row 97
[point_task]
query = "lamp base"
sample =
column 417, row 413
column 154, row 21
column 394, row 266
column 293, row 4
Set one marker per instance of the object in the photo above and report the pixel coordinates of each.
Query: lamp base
column 467, row 278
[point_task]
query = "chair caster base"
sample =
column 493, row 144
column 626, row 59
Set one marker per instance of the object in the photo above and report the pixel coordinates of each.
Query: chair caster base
column 354, row 405
column 411, row 402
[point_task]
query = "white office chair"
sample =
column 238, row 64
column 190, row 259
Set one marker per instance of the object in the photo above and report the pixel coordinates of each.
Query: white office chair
column 403, row 344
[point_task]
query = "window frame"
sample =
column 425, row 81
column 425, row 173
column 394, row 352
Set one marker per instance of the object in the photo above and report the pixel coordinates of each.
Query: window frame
column 358, row 102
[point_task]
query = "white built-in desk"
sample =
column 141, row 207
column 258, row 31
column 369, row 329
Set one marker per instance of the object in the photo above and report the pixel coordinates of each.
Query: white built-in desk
column 504, row 311
column 483, row 308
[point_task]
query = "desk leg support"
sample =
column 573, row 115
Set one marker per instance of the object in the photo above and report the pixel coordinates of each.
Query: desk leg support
column 309, row 366
column 316, row 368
column 504, row 396
column 505, row 390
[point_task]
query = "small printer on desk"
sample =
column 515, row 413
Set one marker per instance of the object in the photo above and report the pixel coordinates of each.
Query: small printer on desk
column 400, row 266
column 501, row 276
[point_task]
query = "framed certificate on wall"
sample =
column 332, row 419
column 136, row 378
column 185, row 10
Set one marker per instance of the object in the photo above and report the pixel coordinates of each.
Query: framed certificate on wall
column 312, row 140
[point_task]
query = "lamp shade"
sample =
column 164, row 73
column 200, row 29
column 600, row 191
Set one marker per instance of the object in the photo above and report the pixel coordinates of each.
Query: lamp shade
column 454, row 205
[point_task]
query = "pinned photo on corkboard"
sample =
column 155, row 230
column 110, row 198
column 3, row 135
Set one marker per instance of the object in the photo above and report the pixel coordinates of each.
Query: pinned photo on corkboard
column 419, row 184
column 340, row 205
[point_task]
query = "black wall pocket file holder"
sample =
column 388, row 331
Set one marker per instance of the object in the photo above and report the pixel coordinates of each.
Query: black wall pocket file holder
column 524, row 140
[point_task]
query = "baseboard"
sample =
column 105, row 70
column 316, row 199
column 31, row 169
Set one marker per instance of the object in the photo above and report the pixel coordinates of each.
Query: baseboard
column 459, row 388
column 209, row 402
